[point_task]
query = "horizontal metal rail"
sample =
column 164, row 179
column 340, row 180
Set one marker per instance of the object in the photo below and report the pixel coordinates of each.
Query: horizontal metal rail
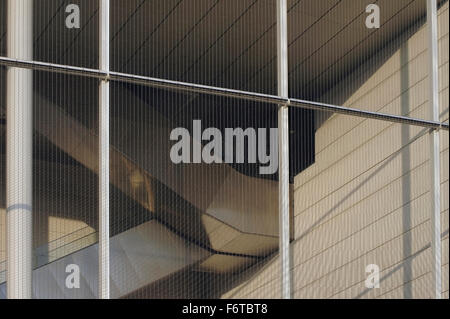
column 216, row 91
column 367, row 114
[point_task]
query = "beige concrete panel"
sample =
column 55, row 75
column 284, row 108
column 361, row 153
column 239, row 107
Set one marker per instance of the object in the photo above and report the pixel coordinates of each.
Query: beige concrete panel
column 257, row 198
column 445, row 278
column 372, row 180
column 359, row 135
column 358, row 179
column 269, row 290
column 344, row 266
column 443, row 103
column 420, row 286
column 388, row 70
column 263, row 279
column 67, row 226
column 359, row 290
column 377, row 237
column 444, row 197
column 254, row 245
column 361, row 219
column 387, row 146
column 225, row 238
column 362, row 133
column 225, row 264
column 443, row 20
column 363, row 210
column 219, row 234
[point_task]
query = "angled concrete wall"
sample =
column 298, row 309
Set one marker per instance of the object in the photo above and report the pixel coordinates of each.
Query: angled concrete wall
column 139, row 256
column 366, row 199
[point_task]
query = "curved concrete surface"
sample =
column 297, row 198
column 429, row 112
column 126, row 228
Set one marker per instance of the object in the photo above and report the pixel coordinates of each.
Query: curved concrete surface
column 238, row 213
column 139, row 256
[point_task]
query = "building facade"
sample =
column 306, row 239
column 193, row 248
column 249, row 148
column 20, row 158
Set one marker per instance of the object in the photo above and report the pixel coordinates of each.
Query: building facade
column 224, row 149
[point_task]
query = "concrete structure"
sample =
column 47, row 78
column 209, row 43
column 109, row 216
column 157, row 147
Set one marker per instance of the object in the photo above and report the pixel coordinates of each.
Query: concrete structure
column 365, row 199
column 107, row 198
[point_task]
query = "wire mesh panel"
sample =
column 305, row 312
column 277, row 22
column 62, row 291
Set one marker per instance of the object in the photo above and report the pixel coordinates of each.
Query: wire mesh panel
column 64, row 143
column 65, row 186
column 66, row 32
column 194, row 177
column 201, row 217
column 362, row 210
column 221, row 43
column 362, row 213
column 342, row 45
column 195, row 190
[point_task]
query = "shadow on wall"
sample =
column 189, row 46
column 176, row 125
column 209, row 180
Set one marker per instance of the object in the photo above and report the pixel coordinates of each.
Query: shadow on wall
column 405, row 266
column 338, row 96
column 407, row 287
column 340, row 93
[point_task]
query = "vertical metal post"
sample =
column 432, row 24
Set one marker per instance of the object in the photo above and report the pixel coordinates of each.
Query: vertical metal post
column 19, row 140
column 434, row 148
column 283, row 149
column 103, row 169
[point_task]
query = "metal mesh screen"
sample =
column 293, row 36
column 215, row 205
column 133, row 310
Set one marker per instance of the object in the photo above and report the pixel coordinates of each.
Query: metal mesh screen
column 197, row 222
column 65, row 186
column 220, row 43
column 362, row 212
column 335, row 47
column 194, row 177
column 66, row 32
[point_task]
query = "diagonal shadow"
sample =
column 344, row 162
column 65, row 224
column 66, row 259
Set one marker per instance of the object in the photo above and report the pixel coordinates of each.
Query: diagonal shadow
column 400, row 266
